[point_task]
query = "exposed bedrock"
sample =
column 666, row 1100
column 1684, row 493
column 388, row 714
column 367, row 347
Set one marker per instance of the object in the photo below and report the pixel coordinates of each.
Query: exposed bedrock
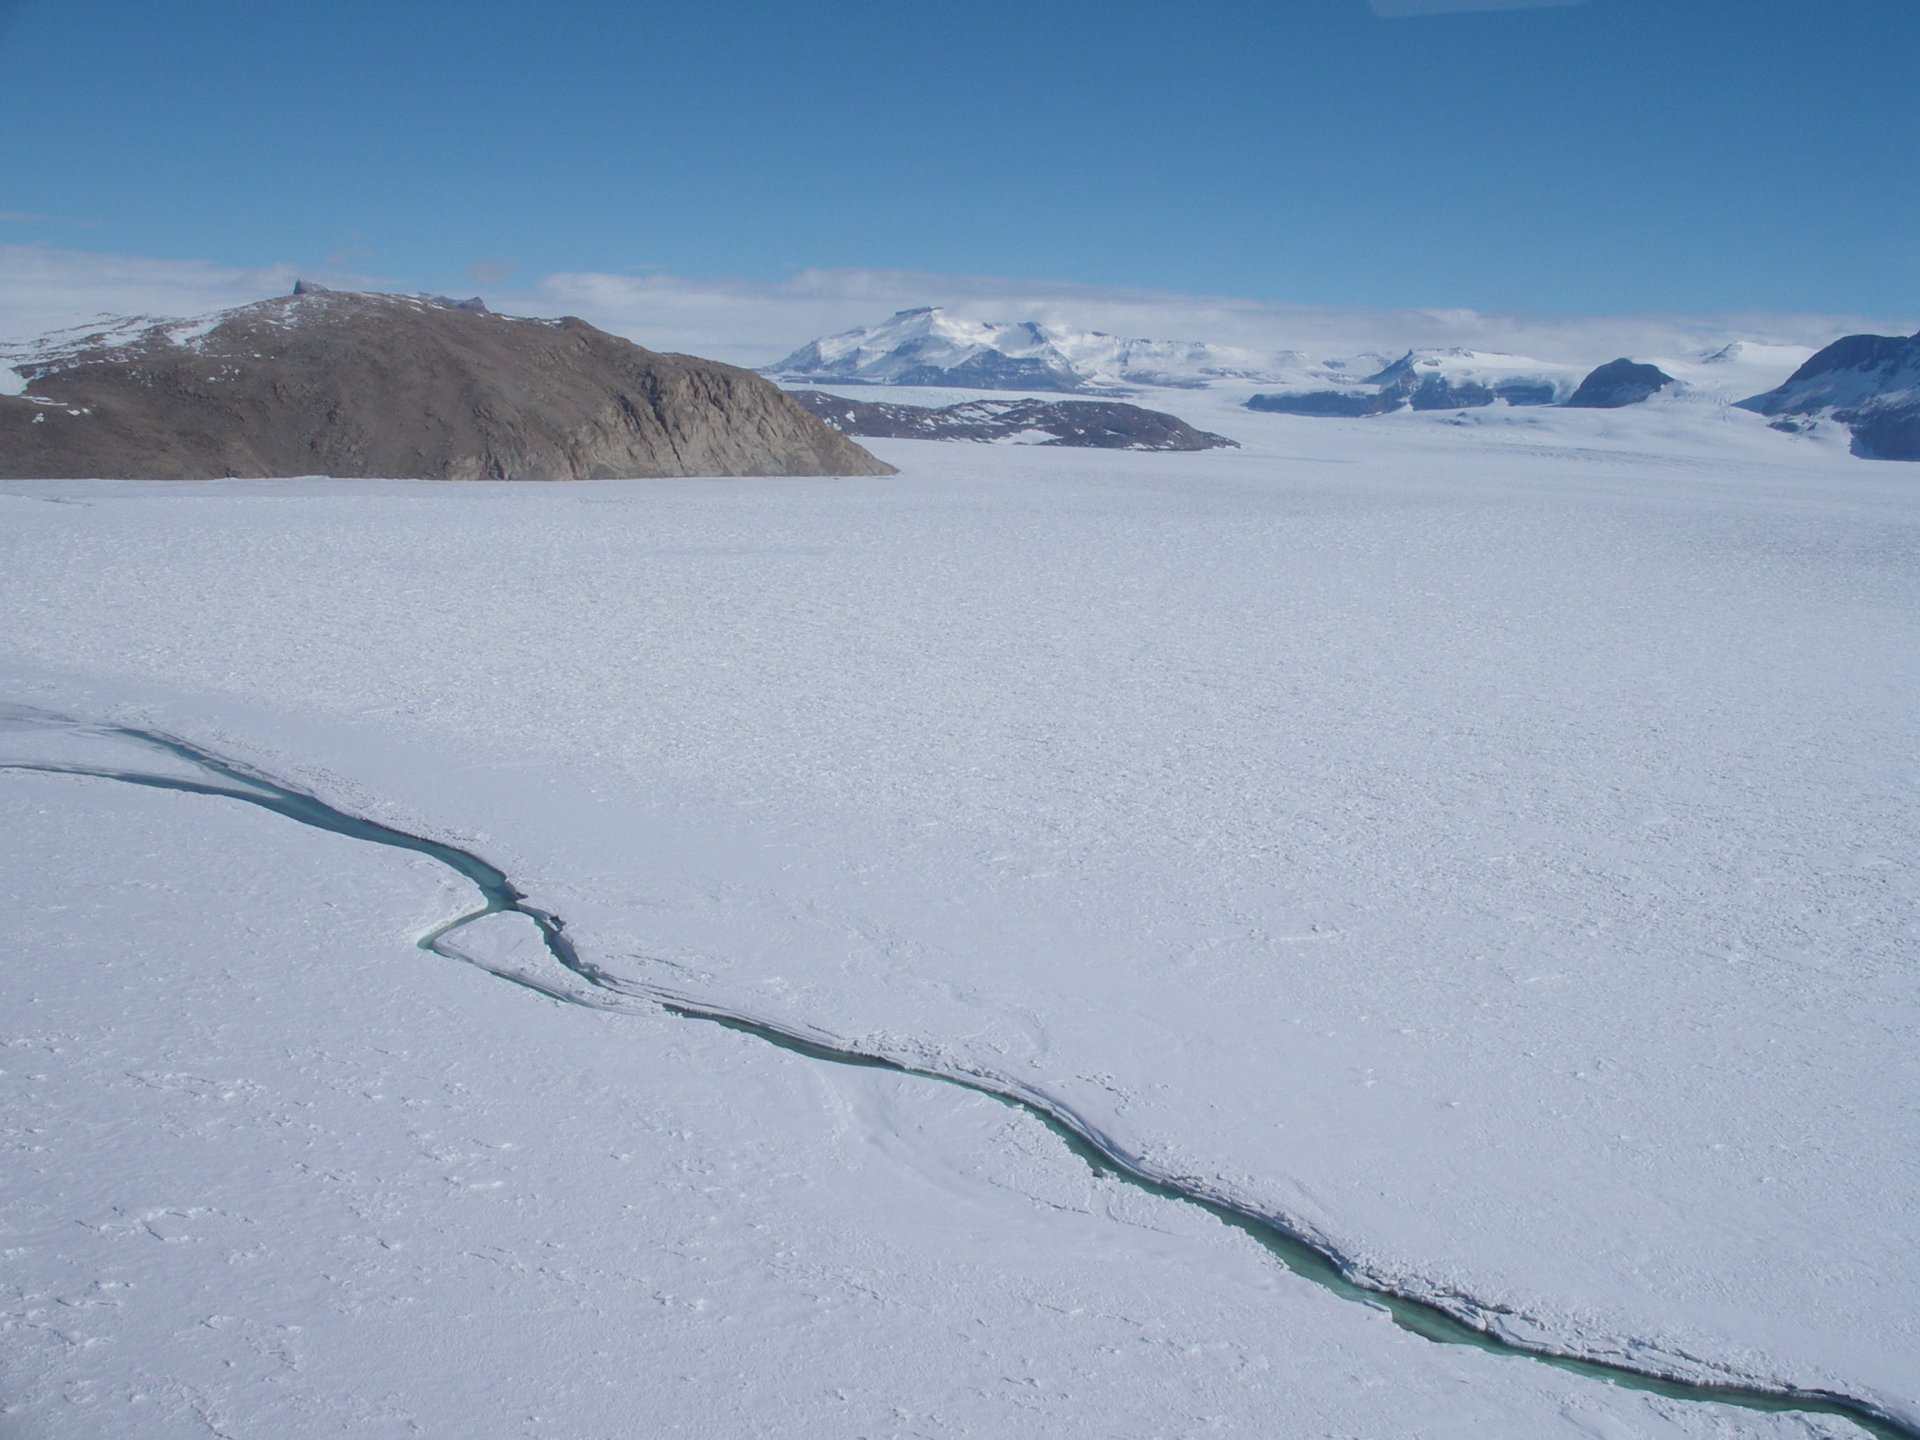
column 333, row 383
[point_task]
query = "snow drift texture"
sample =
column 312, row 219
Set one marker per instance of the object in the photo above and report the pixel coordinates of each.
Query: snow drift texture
column 386, row 385
column 1491, row 846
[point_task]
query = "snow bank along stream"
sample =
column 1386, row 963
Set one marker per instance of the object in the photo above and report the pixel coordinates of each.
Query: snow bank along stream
column 573, row 979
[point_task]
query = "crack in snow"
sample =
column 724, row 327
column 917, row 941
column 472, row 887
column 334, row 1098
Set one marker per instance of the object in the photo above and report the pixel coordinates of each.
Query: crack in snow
column 1443, row 1317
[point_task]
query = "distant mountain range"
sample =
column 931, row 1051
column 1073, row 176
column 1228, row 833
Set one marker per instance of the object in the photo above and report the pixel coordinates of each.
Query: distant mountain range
column 931, row 347
column 1868, row 383
column 1431, row 380
column 1465, row 380
column 1087, row 424
column 934, row 348
column 353, row 384
column 335, row 383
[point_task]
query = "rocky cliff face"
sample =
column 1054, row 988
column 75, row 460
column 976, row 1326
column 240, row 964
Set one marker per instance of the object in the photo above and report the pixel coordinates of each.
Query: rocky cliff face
column 331, row 383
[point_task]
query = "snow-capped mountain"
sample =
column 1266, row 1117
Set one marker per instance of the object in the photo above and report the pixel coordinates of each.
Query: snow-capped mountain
column 930, row 346
column 1452, row 379
column 1869, row 383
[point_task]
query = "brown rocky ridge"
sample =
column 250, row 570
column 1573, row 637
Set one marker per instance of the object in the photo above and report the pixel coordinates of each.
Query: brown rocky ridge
column 337, row 383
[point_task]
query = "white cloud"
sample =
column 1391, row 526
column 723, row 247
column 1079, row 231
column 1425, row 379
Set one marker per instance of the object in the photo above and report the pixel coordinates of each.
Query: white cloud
column 753, row 323
column 756, row 322
column 43, row 288
column 1399, row 9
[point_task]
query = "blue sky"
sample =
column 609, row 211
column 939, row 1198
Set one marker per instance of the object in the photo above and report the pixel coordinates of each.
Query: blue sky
column 1599, row 157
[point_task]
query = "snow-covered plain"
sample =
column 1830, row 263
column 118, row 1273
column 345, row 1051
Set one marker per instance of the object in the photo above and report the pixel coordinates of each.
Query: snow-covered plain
column 1489, row 845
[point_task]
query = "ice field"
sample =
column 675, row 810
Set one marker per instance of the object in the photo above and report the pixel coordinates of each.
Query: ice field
column 1487, row 849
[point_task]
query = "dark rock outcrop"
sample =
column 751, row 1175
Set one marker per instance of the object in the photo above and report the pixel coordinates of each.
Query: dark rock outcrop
column 1869, row 383
column 1617, row 384
column 1099, row 424
column 335, row 383
column 1886, row 433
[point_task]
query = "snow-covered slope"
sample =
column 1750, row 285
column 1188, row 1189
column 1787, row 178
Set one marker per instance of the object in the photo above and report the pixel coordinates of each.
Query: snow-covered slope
column 931, row 346
column 1869, row 383
column 1732, row 371
column 1740, row 357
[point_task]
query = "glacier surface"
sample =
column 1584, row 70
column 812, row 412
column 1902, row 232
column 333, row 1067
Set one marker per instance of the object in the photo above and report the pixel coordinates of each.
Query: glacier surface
column 1489, row 846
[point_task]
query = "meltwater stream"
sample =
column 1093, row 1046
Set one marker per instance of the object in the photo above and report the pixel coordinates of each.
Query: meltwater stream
column 1300, row 1254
